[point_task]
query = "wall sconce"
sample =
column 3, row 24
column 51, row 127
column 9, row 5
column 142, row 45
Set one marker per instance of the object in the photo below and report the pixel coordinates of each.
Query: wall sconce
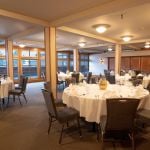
column 101, row 61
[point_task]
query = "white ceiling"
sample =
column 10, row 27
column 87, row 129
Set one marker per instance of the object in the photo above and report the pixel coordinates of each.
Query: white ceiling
column 135, row 21
column 49, row 9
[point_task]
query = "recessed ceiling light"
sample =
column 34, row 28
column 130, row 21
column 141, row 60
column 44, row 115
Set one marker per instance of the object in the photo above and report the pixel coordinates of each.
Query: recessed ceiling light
column 126, row 38
column 101, row 28
column 21, row 45
column 82, row 44
column 147, row 45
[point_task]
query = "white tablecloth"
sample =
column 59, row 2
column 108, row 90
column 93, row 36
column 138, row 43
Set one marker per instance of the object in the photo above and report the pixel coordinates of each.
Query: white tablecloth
column 90, row 101
column 62, row 76
column 5, row 86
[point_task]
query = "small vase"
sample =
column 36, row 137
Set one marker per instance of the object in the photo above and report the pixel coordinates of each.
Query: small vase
column 103, row 84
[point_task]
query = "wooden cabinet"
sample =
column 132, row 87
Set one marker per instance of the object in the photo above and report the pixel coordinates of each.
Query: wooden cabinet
column 125, row 63
column 111, row 63
column 145, row 64
column 135, row 63
column 141, row 63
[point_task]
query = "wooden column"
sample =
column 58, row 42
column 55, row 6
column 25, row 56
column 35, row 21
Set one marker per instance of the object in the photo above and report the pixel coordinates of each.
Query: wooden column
column 50, row 48
column 9, row 54
column 117, row 59
column 76, row 59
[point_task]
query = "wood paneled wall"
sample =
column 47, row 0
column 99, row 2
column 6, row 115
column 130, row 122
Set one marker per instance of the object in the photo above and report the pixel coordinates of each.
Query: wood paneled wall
column 141, row 63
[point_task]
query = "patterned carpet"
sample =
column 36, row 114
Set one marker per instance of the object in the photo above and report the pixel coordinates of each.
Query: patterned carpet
column 25, row 128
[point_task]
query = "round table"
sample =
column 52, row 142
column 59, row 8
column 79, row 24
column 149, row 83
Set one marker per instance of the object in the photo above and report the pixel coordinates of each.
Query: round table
column 90, row 101
column 5, row 86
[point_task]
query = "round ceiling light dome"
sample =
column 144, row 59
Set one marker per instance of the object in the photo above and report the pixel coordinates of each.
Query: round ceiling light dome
column 101, row 28
column 127, row 38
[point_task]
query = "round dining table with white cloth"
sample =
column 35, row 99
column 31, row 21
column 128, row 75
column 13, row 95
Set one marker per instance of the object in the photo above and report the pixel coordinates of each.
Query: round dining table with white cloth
column 5, row 86
column 90, row 101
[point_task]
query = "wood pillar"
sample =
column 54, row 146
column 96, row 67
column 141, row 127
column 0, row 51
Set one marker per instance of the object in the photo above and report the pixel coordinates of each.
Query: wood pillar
column 9, row 55
column 76, row 59
column 117, row 59
column 50, row 48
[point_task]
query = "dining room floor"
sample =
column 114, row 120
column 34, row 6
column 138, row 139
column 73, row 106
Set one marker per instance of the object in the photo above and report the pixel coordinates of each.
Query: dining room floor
column 25, row 128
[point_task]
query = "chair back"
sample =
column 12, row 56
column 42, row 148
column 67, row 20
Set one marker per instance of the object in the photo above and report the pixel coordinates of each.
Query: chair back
column 121, row 113
column 75, row 76
column 111, row 79
column 89, row 77
column 47, row 86
column 24, row 85
column 49, row 101
column 21, row 80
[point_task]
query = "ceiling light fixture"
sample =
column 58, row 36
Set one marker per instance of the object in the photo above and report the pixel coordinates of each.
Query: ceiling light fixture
column 82, row 44
column 21, row 45
column 126, row 38
column 147, row 45
column 101, row 28
column 110, row 49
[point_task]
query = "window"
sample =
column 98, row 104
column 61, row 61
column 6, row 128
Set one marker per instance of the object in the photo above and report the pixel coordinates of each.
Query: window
column 29, row 68
column 62, row 65
column 84, row 63
column 3, row 62
column 15, row 68
column 65, row 61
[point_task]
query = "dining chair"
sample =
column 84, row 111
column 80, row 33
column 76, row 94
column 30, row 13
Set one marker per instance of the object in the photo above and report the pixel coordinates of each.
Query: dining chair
column 75, row 77
column 63, row 116
column 60, row 82
column 89, row 76
column 120, row 119
column 58, row 102
column 19, row 92
column 111, row 79
column 19, row 86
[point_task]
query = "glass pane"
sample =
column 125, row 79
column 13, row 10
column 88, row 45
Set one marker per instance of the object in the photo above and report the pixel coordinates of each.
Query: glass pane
column 62, row 55
column 2, row 52
column 29, row 68
column 43, row 69
column 15, row 68
column 25, row 53
column 42, row 54
column 71, row 66
column 3, row 66
column 84, row 66
column 62, row 65
column 71, row 56
column 33, row 53
column 15, row 53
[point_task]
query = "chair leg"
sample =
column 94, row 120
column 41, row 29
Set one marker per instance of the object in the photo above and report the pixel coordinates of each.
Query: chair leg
column 60, row 139
column 19, row 100
column 1, row 105
column 14, row 98
column 50, row 122
column 79, row 127
column 98, row 131
column 132, row 139
column 24, row 97
column 8, row 100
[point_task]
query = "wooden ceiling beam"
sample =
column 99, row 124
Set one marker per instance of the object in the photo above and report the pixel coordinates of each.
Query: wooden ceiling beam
column 22, row 17
column 26, row 32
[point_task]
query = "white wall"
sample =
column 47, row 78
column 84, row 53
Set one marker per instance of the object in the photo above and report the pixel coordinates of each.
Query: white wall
column 95, row 66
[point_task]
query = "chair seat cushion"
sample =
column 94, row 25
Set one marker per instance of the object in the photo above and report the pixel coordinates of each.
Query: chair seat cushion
column 15, row 91
column 67, row 114
column 59, row 102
